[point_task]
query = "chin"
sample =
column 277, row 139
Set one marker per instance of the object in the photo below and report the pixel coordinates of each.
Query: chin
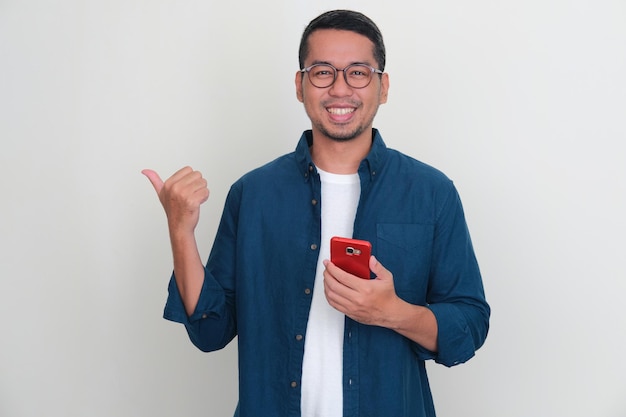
column 342, row 136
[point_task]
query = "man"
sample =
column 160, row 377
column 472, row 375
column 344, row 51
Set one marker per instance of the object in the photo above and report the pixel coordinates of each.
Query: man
column 314, row 340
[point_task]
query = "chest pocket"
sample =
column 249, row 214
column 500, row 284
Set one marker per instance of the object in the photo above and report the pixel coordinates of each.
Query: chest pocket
column 406, row 251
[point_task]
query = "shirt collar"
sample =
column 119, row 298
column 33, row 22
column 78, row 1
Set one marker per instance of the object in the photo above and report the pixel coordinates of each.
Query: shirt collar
column 373, row 162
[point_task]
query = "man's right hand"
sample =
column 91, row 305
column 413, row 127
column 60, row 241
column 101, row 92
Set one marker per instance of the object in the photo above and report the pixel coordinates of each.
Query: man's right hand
column 181, row 196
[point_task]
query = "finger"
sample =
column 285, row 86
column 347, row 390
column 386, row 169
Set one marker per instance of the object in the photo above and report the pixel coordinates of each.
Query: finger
column 154, row 178
column 195, row 184
column 378, row 269
column 181, row 174
column 347, row 281
column 203, row 194
column 335, row 291
column 187, row 178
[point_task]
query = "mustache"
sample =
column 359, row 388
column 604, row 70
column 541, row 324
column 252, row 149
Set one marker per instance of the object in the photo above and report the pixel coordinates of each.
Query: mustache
column 341, row 103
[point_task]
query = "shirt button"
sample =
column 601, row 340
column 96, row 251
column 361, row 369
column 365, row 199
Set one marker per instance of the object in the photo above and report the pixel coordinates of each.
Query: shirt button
column 307, row 291
column 204, row 316
column 314, row 202
column 311, row 168
column 298, row 337
column 294, row 384
column 314, row 247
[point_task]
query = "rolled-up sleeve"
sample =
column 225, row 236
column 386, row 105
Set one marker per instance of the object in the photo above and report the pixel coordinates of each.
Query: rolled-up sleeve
column 213, row 323
column 456, row 295
column 211, row 326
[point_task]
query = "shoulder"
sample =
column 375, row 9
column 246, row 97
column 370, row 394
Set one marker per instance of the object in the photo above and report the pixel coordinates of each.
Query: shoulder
column 398, row 166
column 410, row 168
column 284, row 164
column 289, row 166
column 280, row 173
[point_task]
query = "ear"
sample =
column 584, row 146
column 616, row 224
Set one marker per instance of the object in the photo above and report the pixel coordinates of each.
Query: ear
column 299, row 80
column 384, row 88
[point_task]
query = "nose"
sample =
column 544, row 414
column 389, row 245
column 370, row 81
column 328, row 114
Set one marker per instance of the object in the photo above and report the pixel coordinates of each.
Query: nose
column 340, row 87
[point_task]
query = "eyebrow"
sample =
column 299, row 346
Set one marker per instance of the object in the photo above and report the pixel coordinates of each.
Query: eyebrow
column 352, row 63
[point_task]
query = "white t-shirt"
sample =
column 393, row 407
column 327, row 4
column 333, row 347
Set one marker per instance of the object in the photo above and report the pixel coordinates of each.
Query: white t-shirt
column 322, row 368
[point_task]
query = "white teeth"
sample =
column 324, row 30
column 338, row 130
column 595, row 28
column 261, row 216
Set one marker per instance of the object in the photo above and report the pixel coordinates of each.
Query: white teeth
column 340, row 111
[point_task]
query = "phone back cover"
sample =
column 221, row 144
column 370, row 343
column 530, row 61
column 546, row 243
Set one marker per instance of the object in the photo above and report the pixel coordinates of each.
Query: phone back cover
column 351, row 255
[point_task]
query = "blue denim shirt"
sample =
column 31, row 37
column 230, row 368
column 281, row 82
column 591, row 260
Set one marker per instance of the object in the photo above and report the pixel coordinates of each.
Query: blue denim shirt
column 260, row 273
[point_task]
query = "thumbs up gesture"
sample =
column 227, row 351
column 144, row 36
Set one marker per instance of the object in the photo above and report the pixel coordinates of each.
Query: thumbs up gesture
column 181, row 196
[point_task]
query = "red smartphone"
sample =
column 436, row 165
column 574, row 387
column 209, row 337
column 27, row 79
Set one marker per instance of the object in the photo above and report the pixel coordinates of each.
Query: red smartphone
column 351, row 255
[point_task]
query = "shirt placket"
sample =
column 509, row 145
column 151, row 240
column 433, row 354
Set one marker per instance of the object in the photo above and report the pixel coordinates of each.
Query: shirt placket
column 305, row 292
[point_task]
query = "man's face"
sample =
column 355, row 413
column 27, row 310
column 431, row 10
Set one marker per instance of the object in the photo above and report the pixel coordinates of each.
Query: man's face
column 341, row 112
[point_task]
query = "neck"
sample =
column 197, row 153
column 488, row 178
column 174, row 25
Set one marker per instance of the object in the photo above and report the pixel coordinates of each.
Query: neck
column 340, row 157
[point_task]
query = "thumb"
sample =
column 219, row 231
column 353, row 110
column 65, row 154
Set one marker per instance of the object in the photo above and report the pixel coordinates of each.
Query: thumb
column 154, row 178
column 378, row 269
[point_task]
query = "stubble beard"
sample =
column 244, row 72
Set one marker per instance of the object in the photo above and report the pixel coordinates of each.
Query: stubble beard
column 341, row 134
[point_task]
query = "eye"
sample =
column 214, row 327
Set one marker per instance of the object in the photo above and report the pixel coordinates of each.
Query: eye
column 359, row 72
column 322, row 72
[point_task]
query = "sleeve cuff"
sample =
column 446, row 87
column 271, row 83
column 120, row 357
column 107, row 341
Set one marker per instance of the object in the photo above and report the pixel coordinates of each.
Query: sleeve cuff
column 454, row 340
column 210, row 304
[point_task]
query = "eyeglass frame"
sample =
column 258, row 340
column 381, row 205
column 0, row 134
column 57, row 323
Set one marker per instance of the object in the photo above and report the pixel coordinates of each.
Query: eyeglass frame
column 336, row 70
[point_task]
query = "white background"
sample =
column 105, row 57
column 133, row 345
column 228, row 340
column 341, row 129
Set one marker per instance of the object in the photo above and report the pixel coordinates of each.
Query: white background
column 522, row 104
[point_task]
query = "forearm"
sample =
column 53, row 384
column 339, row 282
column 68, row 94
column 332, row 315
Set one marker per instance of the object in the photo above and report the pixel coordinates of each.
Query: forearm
column 417, row 323
column 188, row 268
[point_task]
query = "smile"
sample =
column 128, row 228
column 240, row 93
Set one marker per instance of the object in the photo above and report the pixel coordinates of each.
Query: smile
column 339, row 111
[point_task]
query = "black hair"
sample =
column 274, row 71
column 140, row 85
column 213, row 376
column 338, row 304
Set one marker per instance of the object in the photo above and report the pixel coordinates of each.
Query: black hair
column 345, row 20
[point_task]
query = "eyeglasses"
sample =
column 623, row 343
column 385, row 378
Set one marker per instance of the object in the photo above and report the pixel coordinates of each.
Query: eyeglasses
column 356, row 75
